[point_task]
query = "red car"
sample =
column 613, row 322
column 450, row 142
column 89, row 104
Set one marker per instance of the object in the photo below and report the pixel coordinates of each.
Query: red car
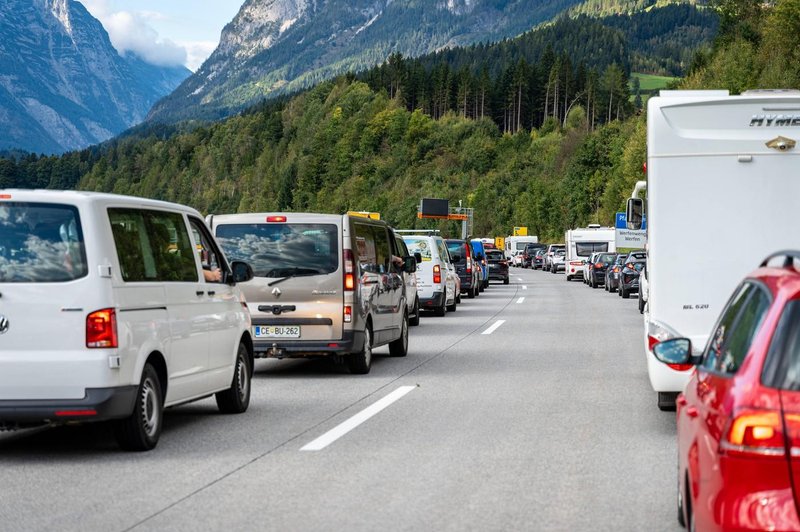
column 739, row 417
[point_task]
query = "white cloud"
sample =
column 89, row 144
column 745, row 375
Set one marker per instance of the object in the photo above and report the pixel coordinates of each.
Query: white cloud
column 130, row 31
column 197, row 52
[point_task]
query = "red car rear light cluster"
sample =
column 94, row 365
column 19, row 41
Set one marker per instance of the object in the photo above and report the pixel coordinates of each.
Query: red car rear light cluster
column 598, row 266
column 759, row 432
column 437, row 274
column 349, row 270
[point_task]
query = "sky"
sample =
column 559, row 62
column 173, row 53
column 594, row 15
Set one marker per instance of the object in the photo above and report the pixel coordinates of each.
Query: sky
column 165, row 32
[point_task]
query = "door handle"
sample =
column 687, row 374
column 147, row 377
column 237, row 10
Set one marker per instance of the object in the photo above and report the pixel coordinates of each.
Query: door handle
column 211, row 292
column 199, row 293
column 692, row 412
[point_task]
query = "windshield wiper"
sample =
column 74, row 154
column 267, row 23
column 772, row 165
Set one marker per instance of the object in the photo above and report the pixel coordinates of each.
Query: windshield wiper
column 298, row 272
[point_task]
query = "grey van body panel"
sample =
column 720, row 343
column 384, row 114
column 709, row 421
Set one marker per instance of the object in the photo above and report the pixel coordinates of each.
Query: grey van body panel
column 315, row 303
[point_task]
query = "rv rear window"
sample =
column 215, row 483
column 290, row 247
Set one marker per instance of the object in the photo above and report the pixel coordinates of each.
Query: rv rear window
column 584, row 249
column 41, row 243
column 279, row 250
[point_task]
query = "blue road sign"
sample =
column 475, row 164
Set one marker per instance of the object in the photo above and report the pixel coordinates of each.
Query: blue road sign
column 622, row 221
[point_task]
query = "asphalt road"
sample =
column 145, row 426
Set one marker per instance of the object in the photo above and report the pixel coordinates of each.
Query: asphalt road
column 547, row 423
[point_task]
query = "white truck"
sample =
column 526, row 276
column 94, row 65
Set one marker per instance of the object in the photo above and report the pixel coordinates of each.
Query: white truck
column 582, row 242
column 722, row 194
column 516, row 245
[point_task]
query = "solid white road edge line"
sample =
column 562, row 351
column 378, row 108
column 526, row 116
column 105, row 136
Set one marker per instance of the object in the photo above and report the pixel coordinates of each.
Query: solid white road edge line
column 345, row 427
column 520, row 300
column 494, row 327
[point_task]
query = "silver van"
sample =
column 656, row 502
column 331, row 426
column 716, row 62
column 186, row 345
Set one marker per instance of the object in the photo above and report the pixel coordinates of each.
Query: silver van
column 325, row 285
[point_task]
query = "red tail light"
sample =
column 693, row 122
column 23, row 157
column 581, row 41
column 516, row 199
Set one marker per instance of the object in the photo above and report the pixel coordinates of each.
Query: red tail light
column 348, row 314
column 75, row 413
column 101, row 329
column 598, row 266
column 629, row 265
column 437, row 274
column 758, row 432
column 469, row 265
column 276, row 219
column 349, row 270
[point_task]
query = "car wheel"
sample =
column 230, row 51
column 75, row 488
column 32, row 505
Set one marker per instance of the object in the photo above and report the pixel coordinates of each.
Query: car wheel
column 458, row 298
column 471, row 293
column 506, row 281
column 140, row 431
column 399, row 348
column 666, row 401
column 641, row 303
column 236, row 399
column 440, row 311
column 359, row 363
column 625, row 293
column 414, row 320
column 452, row 308
column 681, row 516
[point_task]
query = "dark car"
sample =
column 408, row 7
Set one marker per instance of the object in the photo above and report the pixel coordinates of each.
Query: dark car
column 498, row 265
column 597, row 270
column 629, row 276
column 529, row 252
column 612, row 273
column 466, row 268
column 537, row 262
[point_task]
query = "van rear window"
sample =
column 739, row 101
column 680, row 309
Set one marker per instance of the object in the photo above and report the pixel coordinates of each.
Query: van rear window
column 585, row 249
column 40, row 243
column 280, row 250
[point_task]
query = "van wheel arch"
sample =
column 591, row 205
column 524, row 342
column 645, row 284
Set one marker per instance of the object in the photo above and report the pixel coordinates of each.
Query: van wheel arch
column 248, row 343
column 156, row 359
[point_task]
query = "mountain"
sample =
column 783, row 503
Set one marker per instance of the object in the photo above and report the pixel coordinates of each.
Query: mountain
column 63, row 86
column 277, row 46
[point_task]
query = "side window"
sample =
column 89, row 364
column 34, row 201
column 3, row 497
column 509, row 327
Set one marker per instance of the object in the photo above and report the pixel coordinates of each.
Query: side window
column 152, row 246
column 737, row 327
column 382, row 249
column 782, row 369
column 443, row 254
column 210, row 256
column 365, row 245
column 402, row 249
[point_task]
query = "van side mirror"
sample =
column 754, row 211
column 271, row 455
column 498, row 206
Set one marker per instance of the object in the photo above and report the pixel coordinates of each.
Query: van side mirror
column 418, row 257
column 634, row 212
column 409, row 264
column 242, row 272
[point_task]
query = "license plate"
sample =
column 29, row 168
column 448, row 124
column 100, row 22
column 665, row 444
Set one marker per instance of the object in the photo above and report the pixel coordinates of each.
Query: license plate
column 276, row 331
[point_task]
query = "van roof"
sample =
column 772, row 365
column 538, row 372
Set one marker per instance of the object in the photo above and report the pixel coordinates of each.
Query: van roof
column 297, row 217
column 79, row 197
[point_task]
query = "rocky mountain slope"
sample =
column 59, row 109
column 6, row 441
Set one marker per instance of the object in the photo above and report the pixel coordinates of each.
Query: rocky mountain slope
column 277, row 46
column 63, row 86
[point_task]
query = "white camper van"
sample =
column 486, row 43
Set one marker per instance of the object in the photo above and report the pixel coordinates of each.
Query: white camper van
column 722, row 193
column 581, row 243
column 515, row 245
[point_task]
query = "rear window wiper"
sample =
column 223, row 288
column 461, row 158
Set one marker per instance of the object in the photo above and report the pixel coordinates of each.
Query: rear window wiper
column 294, row 272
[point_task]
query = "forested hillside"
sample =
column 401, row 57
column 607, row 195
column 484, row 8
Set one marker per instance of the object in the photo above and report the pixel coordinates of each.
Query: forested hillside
column 361, row 144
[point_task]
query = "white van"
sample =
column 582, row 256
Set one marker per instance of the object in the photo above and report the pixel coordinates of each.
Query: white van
column 437, row 280
column 112, row 308
column 325, row 284
column 582, row 242
column 722, row 193
column 515, row 245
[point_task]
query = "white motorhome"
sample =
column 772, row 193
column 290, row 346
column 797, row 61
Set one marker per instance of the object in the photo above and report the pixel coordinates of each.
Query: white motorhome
column 582, row 242
column 516, row 244
column 722, row 193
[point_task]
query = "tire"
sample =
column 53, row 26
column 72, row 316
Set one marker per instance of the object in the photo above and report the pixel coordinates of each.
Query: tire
column 236, row 399
column 399, row 348
column 506, row 281
column 140, row 431
column 681, row 516
column 440, row 311
column 641, row 303
column 666, row 401
column 414, row 320
column 458, row 298
column 569, row 278
column 360, row 363
column 625, row 293
column 452, row 308
column 471, row 293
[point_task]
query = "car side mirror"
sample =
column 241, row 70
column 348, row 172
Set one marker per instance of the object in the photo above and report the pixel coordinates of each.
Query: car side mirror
column 242, row 272
column 409, row 264
column 634, row 212
column 418, row 257
column 675, row 351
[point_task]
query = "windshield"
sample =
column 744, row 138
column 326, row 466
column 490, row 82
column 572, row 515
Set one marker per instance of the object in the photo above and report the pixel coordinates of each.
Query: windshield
column 495, row 255
column 584, row 249
column 606, row 257
column 455, row 248
column 279, row 250
column 40, row 243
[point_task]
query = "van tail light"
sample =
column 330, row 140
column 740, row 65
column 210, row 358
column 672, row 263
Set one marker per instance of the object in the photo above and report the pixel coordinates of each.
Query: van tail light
column 348, row 314
column 437, row 274
column 598, row 266
column 276, row 219
column 349, row 270
column 469, row 265
column 101, row 329
column 629, row 266
column 756, row 432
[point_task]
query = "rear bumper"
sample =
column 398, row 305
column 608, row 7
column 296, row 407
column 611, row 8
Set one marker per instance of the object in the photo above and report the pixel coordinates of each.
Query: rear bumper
column 99, row 404
column 438, row 300
column 501, row 276
column 351, row 342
